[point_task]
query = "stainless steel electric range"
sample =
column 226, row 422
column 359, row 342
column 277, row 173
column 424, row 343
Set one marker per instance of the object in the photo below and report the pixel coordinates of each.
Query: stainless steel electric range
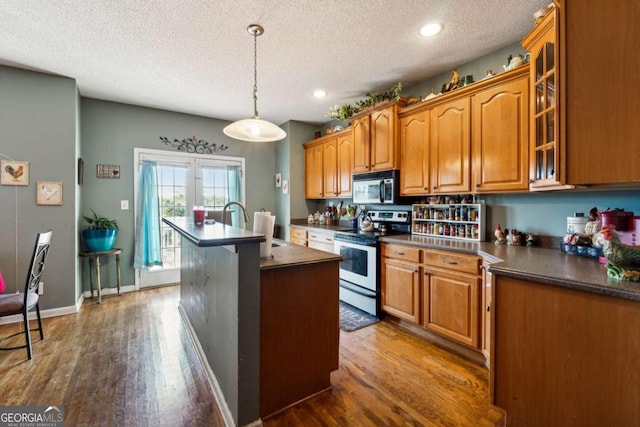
column 360, row 267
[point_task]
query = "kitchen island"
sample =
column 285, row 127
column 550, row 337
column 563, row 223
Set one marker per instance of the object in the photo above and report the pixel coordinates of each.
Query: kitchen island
column 565, row 346
column 267, row 330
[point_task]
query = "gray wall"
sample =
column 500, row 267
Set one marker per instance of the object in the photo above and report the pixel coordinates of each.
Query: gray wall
column 290, row 162
column 110, row 131
column 39, row 124
column 477, row 68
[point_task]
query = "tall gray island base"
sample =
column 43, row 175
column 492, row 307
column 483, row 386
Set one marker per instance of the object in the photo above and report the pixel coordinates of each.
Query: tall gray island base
column 267, row 329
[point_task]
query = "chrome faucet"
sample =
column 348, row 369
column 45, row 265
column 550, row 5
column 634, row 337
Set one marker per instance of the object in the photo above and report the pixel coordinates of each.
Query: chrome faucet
column 244, row 211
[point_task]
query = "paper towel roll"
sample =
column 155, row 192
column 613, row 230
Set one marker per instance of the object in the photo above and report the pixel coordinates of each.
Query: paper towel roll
column 263, row 223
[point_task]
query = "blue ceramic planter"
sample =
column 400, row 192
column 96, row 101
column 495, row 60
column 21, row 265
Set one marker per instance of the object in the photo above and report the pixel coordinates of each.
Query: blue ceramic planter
column 100, row 240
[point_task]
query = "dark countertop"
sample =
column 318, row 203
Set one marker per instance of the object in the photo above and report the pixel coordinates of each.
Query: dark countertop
column 292, row 255
column 216, row 234
column 548, row 266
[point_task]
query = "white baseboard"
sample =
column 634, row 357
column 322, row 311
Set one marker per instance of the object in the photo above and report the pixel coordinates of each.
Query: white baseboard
column 52, row 312
column 214, row 385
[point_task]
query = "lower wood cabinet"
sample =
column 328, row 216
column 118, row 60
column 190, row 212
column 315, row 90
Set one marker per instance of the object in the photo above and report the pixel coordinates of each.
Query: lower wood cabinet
column 439, row 290
column 451, row 295
column 401, row 290
column 298, row 236
column 451, row 305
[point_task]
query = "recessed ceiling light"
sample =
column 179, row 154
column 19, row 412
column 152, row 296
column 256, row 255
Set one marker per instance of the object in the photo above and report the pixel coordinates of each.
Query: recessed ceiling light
column 319, row 93
column 430, row 30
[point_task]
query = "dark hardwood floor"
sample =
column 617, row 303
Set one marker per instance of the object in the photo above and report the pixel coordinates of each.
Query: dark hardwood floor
column 130, row 362
column 126, row 362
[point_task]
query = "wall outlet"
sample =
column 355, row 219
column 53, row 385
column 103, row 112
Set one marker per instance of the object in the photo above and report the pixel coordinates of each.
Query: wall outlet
column 40, row 288
column 124, row 205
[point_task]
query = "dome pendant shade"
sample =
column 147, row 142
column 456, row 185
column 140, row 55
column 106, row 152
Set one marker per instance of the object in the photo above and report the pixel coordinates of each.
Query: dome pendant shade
column 255, row 129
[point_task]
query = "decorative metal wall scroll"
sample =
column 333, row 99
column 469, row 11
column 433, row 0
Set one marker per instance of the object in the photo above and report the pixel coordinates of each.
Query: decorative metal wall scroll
column 193, row 145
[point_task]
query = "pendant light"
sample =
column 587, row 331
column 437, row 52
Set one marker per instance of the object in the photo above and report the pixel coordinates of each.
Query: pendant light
column 255, row 129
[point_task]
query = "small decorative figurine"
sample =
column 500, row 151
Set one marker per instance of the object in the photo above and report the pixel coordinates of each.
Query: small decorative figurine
column 499, row 235
column 530, row 240
column 508, row 237
column 453, row 84
column 593, row 225
column 516, row 239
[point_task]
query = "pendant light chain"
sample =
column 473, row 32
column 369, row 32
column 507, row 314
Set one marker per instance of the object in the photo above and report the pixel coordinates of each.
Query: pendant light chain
column 254, row 129
column 255, row 75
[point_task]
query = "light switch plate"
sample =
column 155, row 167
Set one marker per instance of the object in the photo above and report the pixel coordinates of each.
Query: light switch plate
column 124, row 205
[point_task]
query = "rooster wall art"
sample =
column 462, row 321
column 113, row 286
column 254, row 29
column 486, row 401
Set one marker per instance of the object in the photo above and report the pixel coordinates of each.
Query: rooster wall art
column 14, row 173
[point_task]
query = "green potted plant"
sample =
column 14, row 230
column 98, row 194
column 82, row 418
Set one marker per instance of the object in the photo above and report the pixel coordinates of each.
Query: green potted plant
column 100, row 236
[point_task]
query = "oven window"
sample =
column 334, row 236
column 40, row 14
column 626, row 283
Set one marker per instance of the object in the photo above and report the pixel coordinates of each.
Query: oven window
column 354, row 260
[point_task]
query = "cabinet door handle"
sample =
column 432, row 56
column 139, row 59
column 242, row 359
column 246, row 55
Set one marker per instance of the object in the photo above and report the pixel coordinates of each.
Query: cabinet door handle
column 488, row 308
column 446, row 261
column 398, row 253
column 328, row 239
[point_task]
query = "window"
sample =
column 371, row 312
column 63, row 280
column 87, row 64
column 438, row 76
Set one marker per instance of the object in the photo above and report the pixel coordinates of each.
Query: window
column 186, row 180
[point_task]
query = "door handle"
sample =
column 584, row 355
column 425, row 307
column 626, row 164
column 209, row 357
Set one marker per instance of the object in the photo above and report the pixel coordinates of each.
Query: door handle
column 446, row 261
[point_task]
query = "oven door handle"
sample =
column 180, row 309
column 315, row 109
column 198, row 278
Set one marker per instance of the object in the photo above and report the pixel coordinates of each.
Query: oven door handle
column 356, row 289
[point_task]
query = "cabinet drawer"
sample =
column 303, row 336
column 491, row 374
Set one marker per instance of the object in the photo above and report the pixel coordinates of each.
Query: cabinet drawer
column 301, row 242
column 405, row 253
column 320, row 237
column 452, row 261
column 327, row 247
column 298, row 233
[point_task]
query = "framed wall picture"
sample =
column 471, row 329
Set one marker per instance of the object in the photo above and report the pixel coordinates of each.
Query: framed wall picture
column 49, row 193
column 108, row 171
column 13, row 172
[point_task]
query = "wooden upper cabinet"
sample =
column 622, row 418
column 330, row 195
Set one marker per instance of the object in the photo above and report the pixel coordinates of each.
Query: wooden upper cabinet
column 451, row 147
column 547, row 150
column 345, row 164
column 361, row 144
column 313, row 163
column 500, row 140
column 330, row 167
column 384, row 139
column 414, row 154
column 375, row 138
column 601, row 92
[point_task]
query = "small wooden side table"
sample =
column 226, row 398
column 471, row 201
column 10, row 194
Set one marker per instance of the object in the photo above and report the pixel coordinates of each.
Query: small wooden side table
column 96, row 256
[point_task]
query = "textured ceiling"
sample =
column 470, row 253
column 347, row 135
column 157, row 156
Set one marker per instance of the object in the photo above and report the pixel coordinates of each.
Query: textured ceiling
column 195, row 56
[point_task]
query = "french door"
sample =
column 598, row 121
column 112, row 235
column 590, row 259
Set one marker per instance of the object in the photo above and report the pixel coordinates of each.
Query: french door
column 186, row 180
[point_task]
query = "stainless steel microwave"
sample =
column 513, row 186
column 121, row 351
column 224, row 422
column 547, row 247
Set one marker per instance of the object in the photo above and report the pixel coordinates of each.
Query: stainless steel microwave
column 375, row 188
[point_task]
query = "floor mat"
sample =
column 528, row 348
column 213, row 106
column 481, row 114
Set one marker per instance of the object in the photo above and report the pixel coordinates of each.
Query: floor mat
column 352, row 318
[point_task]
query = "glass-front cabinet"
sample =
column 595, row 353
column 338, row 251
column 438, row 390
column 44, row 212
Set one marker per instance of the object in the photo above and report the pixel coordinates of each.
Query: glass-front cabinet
column 546, row 146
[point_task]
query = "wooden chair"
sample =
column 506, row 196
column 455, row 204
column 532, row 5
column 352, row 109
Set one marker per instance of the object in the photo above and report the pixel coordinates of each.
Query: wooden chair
column 23, row 303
